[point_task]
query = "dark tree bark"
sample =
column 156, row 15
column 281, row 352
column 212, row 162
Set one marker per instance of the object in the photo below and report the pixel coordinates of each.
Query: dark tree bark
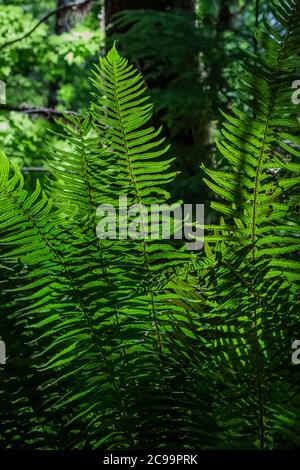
column 113, row 7
column 183, row 141
column 116, row 6
column 64, row 20
column 61, row 26
column 225, row 16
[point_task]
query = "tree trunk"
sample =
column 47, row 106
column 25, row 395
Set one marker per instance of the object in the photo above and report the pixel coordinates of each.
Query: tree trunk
column 116, row 6
column 64, row 21
column 61, row 26
column 184, row 141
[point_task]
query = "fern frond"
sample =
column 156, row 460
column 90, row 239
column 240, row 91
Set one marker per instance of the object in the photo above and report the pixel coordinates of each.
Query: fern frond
column 260, row 144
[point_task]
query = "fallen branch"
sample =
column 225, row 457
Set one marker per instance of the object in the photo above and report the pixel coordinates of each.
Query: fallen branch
column 33, row 169
column 47, row 112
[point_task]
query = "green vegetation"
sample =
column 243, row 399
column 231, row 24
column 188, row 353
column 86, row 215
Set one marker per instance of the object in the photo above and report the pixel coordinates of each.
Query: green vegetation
column 141, row 344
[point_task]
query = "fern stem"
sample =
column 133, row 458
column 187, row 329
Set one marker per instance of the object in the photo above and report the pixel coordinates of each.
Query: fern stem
column 137, row 197
column 257, row 352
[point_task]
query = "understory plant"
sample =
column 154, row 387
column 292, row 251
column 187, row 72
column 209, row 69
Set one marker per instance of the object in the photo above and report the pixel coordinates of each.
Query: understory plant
column 137, row 343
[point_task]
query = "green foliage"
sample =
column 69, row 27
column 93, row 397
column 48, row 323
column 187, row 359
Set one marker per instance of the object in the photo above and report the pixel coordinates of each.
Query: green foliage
column 145, row 32
column 133, row 343
column 29, row 65
column 261, row 148
column 190, row 77
column 256, row 246
column 13, row 22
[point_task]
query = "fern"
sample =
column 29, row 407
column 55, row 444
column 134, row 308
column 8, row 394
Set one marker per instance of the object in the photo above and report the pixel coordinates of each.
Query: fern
column 260, row 139
column 135, row 343
column 254, row 305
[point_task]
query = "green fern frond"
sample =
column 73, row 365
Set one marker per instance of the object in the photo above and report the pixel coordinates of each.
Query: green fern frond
column 260, row 139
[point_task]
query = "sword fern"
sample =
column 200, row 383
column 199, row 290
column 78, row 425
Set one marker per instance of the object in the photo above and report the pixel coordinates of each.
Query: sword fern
column 133, row 343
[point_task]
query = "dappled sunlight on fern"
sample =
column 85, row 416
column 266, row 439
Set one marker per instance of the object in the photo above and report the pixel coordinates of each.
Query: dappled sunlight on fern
column 139, row 343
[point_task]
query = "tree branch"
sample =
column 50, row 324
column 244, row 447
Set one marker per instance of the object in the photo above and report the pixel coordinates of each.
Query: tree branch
column 73, row 6
column 33, row 169
column 47, row 112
